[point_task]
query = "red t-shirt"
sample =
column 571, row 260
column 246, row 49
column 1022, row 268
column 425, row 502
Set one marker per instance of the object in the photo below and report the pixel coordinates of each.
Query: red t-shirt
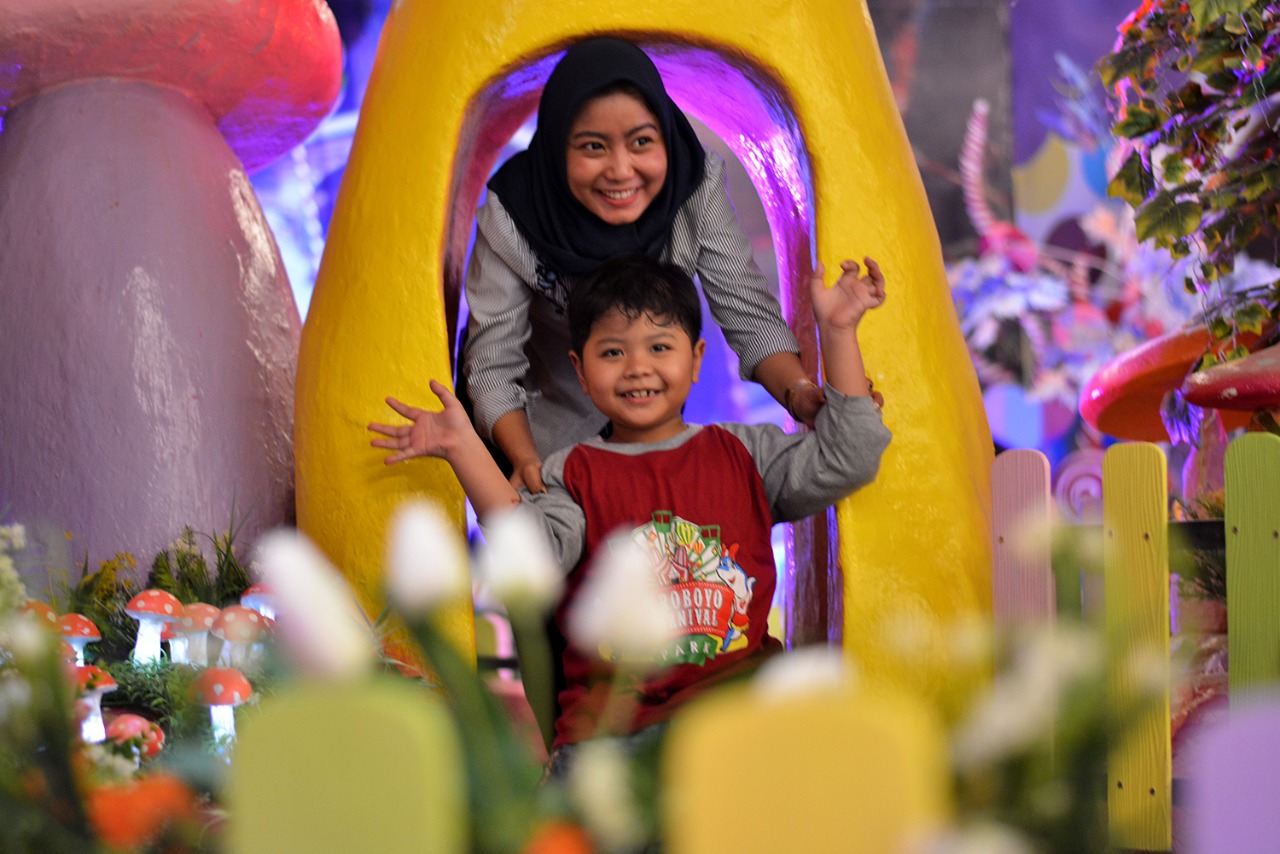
column 701, row 509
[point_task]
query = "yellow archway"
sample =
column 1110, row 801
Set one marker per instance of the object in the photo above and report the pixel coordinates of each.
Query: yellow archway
column 453, row 81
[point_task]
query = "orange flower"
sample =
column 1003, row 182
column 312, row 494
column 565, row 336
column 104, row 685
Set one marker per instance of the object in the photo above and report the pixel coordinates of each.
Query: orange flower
column 134, row 813
column 559, row 837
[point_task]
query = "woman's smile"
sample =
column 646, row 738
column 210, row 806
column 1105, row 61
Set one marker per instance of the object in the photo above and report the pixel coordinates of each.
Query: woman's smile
column 616, row 162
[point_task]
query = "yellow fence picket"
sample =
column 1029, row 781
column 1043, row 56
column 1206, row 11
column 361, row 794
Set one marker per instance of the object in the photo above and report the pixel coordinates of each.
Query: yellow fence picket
column 1253, row 563
column 337, row 768
column 1136, row 569
column 848, row 771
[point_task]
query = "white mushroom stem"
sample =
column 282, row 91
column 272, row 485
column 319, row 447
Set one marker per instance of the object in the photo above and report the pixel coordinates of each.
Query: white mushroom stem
column 93, row 730
column 147, row 648
column 198, row 649
column 79, row 648
column 178, row 650
column 223, row 721
column 242, row 656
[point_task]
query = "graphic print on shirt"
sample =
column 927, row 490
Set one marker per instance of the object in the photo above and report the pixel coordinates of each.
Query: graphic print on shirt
column 708, row 592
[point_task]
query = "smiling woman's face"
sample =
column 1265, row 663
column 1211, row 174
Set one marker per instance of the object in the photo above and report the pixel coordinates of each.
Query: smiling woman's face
column 616, row 160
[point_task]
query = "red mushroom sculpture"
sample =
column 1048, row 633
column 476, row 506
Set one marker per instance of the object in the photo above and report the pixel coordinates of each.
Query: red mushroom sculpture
column 1123, row 398
column 242, row 632
column 153, row 609
column 197, row 620
column 144, row 294
column 1244, row 385
column 222, row 689
column 79, row 631
column 91, row 683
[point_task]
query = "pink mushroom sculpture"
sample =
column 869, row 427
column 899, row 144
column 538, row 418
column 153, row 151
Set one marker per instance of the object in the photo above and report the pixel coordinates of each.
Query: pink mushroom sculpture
column 149, row 335
column 128, row 727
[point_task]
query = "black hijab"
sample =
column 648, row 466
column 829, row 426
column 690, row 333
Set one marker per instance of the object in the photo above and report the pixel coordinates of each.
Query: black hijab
column 533, row 185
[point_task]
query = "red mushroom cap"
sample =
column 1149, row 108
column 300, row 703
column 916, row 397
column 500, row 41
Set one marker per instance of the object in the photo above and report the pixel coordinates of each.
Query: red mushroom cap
column 78, row 626
column 154, row 603
column 39, row 609
column 198, row 617
column 257, row 594
column 168, row 634
column 91, row 678
column 238, row 624
column 1247, row 384
column 1123, row 398
column 221, row 686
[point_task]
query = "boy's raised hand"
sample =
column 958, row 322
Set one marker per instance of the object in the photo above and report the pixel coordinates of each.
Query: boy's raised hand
column 430, row 434
column 843, row 305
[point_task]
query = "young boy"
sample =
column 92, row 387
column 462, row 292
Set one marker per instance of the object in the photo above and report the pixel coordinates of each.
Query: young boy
column 702, row 498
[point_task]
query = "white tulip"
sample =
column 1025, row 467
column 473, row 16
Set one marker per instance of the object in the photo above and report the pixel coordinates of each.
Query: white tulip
column 807, row 670
column 426, row 559
column 621, row 610
column 321, row 626
column 515, row 563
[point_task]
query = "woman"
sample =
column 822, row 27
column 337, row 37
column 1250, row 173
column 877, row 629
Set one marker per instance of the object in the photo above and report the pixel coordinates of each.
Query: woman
column 613, row 168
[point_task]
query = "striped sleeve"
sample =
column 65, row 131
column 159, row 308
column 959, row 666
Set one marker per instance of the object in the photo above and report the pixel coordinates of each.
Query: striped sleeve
column 737, row 292
column 498, row 299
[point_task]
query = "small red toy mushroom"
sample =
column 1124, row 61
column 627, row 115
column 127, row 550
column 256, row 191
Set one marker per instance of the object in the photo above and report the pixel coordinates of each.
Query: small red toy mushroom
column 197, row 620
column 91, row 683
column 261, row 598
column 152, row 609
column 242, row 632
column 44, row 614
column 222, row 689
column 79, row 631
column 123, row 728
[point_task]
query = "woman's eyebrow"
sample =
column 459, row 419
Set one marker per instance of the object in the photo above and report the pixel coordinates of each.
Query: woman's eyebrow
column 598, row 135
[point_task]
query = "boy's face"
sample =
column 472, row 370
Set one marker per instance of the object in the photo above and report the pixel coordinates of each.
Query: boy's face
column 638, row 373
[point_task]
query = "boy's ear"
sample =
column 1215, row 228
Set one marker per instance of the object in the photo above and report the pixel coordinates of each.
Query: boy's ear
column 577, row 368
column 698, row 350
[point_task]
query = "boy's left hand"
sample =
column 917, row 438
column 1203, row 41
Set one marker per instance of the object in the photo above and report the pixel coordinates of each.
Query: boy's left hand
column 843, row 305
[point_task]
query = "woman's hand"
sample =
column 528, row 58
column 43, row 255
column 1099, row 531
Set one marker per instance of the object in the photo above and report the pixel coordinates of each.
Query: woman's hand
column 528, row 474
column 804, row 399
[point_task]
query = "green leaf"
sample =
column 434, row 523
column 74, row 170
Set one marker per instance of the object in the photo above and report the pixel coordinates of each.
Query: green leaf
column 1136, row 61
column 1138, row 121
column 1205, row 12
column 1163, row 216
column 1252, row 318
column 1219, row 328
column 1175, row 167
column 1260, row 183
column 1133, row 182
column 1208, row 360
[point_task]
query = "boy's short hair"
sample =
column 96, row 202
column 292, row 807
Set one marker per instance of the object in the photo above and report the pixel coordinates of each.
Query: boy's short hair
column 634, row 285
